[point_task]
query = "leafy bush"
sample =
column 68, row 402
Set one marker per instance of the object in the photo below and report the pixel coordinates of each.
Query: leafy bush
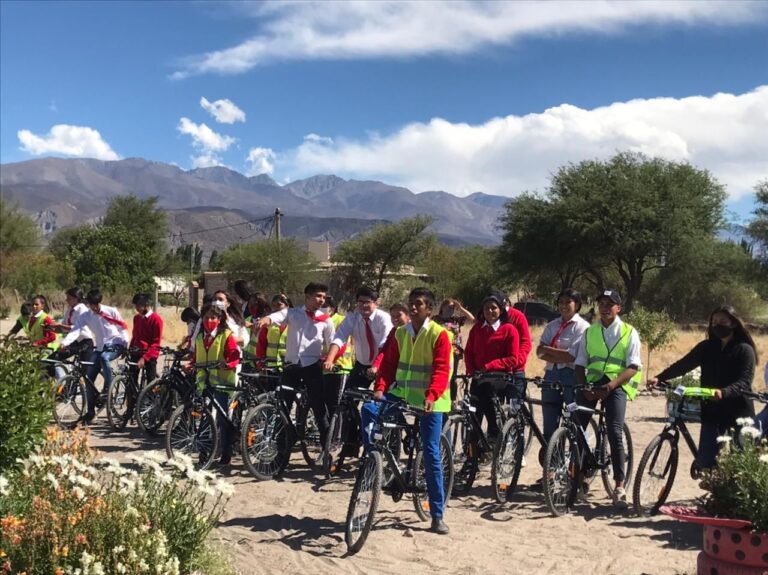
column 739, row 483
column 66, row 512
column 655, row 328
column 26, row 402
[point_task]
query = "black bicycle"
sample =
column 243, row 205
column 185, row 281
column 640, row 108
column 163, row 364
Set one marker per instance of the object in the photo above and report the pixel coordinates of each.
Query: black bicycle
column 160, row 397
column 125, row 389
column 269, row 432
column 369, row 482
column 658, row 466
column 69, row 394
column 571, row 461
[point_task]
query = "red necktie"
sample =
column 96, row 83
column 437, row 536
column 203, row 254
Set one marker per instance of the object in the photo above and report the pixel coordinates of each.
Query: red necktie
column 559, row 332
column 317, row 318
column 113, row 320
column 69, row 316
column 369, row 337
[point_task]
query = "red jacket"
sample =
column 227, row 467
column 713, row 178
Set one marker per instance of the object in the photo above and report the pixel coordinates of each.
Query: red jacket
column 441, row 365
column 49, row 336
column 147, row 334
column 489, row 350
column 518, row 319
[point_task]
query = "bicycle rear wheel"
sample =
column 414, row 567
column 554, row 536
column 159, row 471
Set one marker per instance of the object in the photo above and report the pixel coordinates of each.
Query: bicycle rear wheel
column 529, row 435
column 655, row 475
column 561, row 472
column 265, row 441
column 606, row 471
column 311, row 446
column 192, row 431
column 69, row 401
column 154, row 406
column 334, row 443
column 465, row 452
column 363, row 502
column 420, row 492
column 119, row 402
column 507, row 459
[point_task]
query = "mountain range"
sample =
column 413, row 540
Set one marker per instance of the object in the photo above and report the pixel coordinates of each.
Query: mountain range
column 66, row 192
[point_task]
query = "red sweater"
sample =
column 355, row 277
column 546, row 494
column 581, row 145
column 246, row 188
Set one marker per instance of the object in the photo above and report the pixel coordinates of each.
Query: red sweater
column 441, row 365
column 518, row 319
column 489, row 350
column 147, row 334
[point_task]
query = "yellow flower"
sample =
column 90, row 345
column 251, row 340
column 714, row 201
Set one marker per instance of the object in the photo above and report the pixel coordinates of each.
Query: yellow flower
column 65, row 551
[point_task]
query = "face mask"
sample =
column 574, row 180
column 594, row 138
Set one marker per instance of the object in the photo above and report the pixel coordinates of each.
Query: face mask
column 722, row 331
column 220, row 304
column 210, row 324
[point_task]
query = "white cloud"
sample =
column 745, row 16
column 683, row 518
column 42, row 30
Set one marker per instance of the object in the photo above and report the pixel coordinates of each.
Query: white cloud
column 353, row 30
column 261, row 160
column 78, row 141
column 724, row 134
column 317, row 139
column 224, row 111
column 206, row 141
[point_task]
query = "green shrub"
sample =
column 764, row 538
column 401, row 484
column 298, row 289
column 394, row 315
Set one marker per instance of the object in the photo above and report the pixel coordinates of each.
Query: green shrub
column 655, row 328
column 26, row 402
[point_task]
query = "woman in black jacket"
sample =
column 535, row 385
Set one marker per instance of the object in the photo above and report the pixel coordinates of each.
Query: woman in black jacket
column 727, row 360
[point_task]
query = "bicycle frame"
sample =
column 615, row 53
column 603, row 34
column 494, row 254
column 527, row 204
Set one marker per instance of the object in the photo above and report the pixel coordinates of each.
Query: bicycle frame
column 402, row 481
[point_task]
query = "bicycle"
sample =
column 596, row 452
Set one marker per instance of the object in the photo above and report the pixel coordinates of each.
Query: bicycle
column 69, row 393
column 369, row 482
column 571, row 462
column 192, row 427
column 269, row 433
column 124, row 391
column 160, row 397
column 658, row 465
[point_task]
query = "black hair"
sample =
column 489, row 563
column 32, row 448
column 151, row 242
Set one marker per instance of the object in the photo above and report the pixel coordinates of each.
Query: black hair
column 26, row 309
column 399, row 308
column 43, row 299
column 425, row 293
column 232, row 311
column 281, row 297
column 571, row 294
column 261, row 303
column 94, row 296
column 330, row 302
column 207, row 299
column 740, row 333
column 190, row 315
column 76, row 293
column 497, row 298
column 142, row 299
column 315, row 287
column 242, row 289
column 501, row 297
column 366, row 291
column 216, row 310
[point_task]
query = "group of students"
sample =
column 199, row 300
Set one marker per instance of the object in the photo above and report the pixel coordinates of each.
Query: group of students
column 412, row 353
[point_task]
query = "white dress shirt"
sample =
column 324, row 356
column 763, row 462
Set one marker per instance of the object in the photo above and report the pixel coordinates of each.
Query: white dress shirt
column 611, row 334
column 568, row 340
column 104, row 332
column 71, row 320
column 354, row 326
column 306, row 337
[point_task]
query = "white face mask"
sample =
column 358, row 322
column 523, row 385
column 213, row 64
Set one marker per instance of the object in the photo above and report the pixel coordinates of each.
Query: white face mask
column 219, row 304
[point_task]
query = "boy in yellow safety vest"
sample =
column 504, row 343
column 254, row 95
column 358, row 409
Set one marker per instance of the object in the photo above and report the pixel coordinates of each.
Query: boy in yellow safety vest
column 418, row 358
column 608, row 362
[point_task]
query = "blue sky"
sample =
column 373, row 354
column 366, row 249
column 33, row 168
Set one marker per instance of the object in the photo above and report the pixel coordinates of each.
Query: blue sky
column 457, row 96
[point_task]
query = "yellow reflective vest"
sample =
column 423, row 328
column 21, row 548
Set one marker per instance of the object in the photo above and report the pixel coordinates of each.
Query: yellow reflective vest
column 36, row 332
column 276, row 338
column 213, row 353
column 346, row 360
column 602, row 361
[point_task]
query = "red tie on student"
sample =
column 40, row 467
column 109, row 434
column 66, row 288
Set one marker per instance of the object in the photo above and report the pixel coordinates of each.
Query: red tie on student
column 113, row 320
column 369, row 338
column 69, row 315
column 563, row 325
column 317, row 318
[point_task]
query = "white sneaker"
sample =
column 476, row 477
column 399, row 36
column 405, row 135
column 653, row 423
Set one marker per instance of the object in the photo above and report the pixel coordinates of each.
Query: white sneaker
column 620, row 498
column 523, row 462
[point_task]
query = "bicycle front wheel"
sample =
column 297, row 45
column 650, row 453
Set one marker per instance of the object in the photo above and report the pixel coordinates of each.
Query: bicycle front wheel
column 507, row 459
column 420, row 490
column 192, row 431
column 655, row 475
column 155, row 405
column 119, row 402
column 606, row 471
column 311, row 446
column 265, row 441
column 364, row 501
column 334, row 443
column 69, row 401
column 529, row 435
column 465, row 451
column 561, row 472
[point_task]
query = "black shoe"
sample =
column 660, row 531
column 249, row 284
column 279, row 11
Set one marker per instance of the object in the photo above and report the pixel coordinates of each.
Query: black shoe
column 439, row 526
column 87, row 418
column 225, row 460
column 350, row 451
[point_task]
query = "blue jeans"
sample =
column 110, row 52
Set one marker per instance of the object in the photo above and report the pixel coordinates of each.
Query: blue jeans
column 553, row 399
column 430, row 427
column 101, row 362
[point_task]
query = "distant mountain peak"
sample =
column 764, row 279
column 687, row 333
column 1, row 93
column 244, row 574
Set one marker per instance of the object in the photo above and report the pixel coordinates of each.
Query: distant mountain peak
column 315, row 186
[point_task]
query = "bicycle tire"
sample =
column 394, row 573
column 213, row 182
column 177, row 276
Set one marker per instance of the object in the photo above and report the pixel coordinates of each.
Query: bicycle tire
column 529, row 435
column 70, row 401
column 311, row 447
column 368, row 481
column 606, row 473
column 118, row 401
column 265, row 442
column 507, row 460
column 154, row 405
column 334, row 443
column 654, row 466
column 465, row 452
column 420, row 494
column 560, row 473
column 192, row 430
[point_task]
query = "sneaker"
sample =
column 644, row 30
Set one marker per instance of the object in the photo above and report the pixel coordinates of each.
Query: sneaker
column 620, row 498
column 439, row 526
column 523, row 462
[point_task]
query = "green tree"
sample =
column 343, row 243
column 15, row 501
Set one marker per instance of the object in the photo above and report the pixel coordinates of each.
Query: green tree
column 758, row 227
column 271, row 266
column 142, row 217
column 213, row 261
column 655, row 328
column 18, row 232
column 385, row 249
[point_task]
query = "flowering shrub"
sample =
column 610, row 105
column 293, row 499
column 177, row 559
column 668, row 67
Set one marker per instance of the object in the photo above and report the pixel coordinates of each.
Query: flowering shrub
column 739, row 484
column 68, row 513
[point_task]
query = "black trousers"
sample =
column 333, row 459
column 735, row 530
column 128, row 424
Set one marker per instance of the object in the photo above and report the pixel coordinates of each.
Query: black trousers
column 310, row 378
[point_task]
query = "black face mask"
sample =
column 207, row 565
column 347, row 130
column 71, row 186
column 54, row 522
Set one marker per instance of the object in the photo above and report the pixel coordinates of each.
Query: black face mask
column 722, row 331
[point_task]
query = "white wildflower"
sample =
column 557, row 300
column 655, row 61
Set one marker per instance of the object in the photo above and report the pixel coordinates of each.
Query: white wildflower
column 154, row 456
column 108, row 462
column 724, row 439
column 83, row 481
column 117, row 550
column 183, row 458
column 226, row 489
column 127, row 485
column 86, row 559
column 207, row 489
column 143, row 566
column 4, row 490
column 120, row 568
column 98, row 568
column 745, row 421
column 79, row 493
column 52, row 480
column 751, row 432
column 764, row 458
column 131, row 512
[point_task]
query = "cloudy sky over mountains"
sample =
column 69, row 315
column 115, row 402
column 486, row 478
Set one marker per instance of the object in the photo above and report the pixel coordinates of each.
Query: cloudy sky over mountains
column 456, row 96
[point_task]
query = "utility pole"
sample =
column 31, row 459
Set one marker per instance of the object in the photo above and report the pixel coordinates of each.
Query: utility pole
column 277, row 224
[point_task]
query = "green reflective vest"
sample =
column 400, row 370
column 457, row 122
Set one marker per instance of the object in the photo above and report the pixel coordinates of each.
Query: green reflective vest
column 346, row 360
column 414, row 368
column 276, row 338
column 213, row 353
column 36, row 332
column 602, row 361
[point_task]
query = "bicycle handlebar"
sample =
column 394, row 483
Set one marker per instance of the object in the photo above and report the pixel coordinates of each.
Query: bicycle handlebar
column 761, row 396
